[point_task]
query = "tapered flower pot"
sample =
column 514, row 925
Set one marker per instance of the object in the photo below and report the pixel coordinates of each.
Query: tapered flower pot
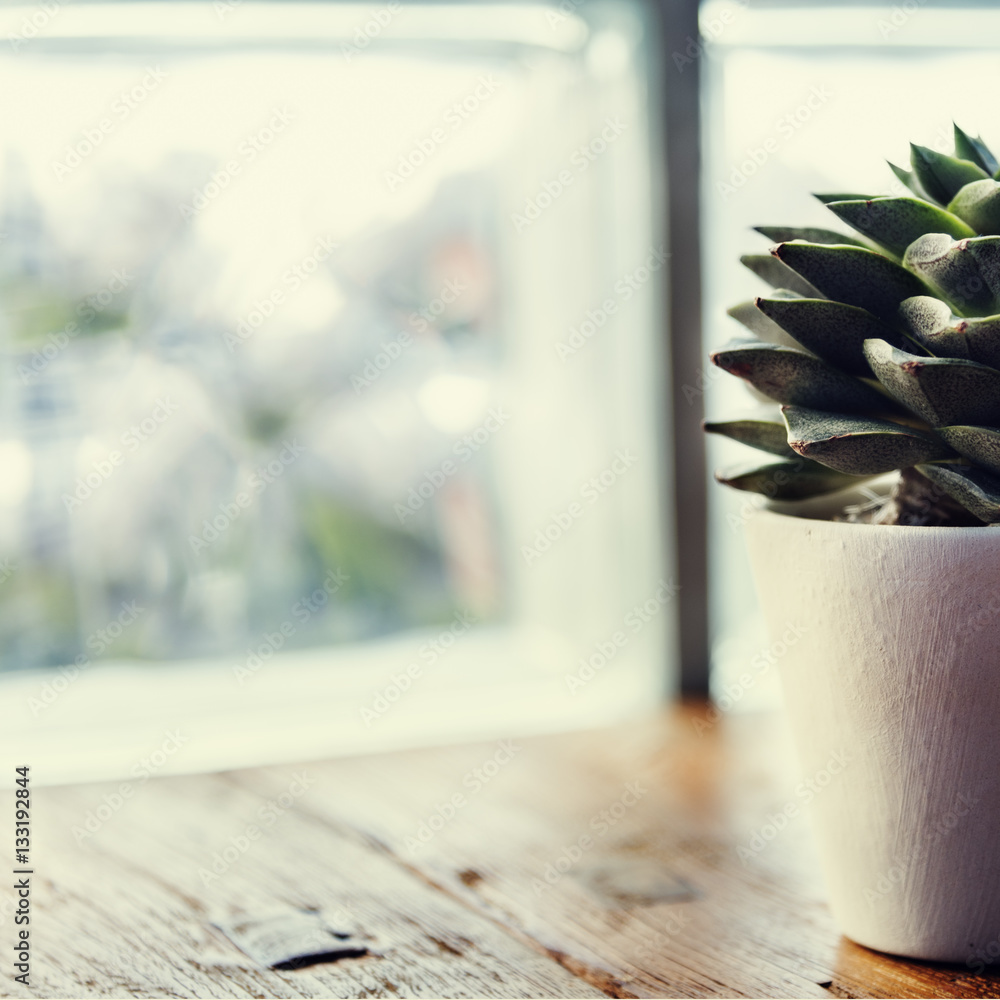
column 897, row 670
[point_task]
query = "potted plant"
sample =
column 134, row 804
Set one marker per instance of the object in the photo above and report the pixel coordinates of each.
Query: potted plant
column 883, row 350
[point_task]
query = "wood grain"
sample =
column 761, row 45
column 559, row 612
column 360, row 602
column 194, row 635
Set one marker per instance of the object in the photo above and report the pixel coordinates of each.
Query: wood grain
column 656, row 903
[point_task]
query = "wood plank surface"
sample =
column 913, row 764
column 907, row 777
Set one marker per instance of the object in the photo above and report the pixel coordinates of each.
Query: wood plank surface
column 589, row 864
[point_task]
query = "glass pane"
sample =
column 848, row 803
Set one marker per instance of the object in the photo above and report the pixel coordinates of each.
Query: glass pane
column 303, row 337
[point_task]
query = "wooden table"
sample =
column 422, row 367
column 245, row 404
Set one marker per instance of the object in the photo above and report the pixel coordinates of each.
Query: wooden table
column 584, row 865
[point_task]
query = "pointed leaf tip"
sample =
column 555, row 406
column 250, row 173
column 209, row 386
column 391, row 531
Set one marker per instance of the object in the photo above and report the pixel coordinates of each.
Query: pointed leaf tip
column 777, row 275
column 966, row 272
column 980, row 444
column 940, row 175
column 932, row 323
column 811, row 234
column 791, row 376
column 859, row 277
column 974, row 149
column 798, row 479
column 895, row 223
column 976, row 490
column 767, row 435
column 940, row 391
column 834, row 331
column 858, row 445
column 827, row 198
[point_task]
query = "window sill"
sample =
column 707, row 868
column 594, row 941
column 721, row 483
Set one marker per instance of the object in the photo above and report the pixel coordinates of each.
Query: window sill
column 587, row 864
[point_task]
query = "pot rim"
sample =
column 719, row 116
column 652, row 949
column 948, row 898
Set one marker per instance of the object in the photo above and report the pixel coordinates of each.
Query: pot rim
column 783, row 511
column 820, row 510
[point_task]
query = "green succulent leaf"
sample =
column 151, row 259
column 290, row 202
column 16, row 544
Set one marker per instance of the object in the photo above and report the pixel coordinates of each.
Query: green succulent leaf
column 811, row 234
column 909, row 179
column 939, row 390
column 942, row 176
column 833, row 330
column 883, row 349
column 932, row 323
column 827, row 198
column 791, row 376
column 976, row 151
column 795, row 480
column 767, row 435
column 966, row 273
column 981, row 444
column 777, row 275
column 894, row 223
column 859, row 446
column 757, row 323
column 978, row 204
column 976, row 490
column 859, row 277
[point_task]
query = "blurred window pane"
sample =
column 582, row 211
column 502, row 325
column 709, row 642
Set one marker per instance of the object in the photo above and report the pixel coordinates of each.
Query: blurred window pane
column 330, row 333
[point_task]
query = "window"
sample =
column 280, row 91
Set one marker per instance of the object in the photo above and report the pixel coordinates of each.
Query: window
column 330, row 401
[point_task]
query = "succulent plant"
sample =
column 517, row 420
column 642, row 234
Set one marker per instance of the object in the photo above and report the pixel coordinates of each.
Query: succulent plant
column 883, row 349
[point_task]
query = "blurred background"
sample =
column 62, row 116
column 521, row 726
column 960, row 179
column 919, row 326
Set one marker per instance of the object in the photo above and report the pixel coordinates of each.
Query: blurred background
column 330, row 413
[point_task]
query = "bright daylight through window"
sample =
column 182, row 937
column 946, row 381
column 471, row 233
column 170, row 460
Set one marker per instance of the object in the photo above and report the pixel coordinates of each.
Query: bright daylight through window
column 328, row 404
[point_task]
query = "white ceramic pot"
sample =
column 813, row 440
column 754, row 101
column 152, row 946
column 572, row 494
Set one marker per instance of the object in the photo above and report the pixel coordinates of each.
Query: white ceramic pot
column 895, row 667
